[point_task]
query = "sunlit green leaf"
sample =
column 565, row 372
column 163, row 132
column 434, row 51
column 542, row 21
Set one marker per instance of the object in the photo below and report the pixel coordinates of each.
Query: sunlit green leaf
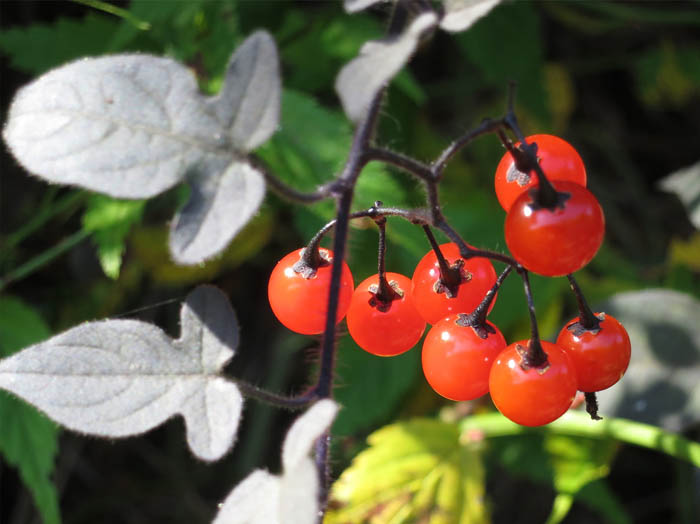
column 495, row 44
column 39, row 47
column 109, row 221
column 415, row 471
column 567, row 463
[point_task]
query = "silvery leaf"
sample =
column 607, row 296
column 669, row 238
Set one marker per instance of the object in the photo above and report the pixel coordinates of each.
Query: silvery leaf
column 117, row 378
column 353, row 6
column 248, row 106
column 685, row 183
column 460, row 15
column 125, row 125
column 364, row 76
column 660, row 386
column 292, row 497
column 219, row 206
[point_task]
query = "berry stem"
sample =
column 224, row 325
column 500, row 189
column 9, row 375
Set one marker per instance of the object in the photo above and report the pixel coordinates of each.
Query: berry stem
column 592, row 406
column 385, row 293
column 534, row 356
column 450, row 277
column 525, row 157
column 587, row 318
column 477, row 318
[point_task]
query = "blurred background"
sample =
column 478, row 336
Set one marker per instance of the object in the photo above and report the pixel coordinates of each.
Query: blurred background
column 619, row 80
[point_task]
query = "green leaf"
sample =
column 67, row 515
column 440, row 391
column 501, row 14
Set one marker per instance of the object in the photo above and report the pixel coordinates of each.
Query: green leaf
column 599, row 496
column 578, row 461
column 660, row 386
column 39, row 47
column 567, row 463
column 506, row 46
column 667, row 75
column 369, row 387
column 110, row 220
column 28, row 440
column 310, row 146
column 415, row 471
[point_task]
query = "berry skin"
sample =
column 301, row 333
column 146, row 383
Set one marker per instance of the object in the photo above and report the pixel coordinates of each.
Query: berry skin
column 457, row 361
column 301, row 303
column 381, row 328
column 558, row 159
column 433, row 303
column 537, row 396
column 600, row 358
column 559, row 241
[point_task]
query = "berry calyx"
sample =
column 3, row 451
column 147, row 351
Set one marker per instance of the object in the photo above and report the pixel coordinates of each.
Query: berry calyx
column 532, row 396
column 557, row 158
column 557, row 241
column 600, row 355
column 298, row 292
column 435, row 299
column 384, row 325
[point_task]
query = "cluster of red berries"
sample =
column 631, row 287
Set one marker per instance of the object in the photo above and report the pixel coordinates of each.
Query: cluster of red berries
column 464, row 355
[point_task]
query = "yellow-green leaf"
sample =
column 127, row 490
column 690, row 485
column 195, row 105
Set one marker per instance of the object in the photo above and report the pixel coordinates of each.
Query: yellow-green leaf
column 414, row 471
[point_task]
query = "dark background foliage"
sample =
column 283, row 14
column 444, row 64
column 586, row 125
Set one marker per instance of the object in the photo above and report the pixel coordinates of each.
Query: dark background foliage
column 619, row 80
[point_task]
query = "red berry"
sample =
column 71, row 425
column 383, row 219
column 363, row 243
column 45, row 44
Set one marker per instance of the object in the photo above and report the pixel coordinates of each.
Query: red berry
column 559, row 241
column 535, row 396
column 558, row 159
column 384, row 328
column 301, row 303
column 600, row 357
column 457, row 359
column 431, row 299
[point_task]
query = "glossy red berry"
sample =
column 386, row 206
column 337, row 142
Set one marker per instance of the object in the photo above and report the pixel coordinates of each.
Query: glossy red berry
column 300, row 303
column 457, row 359
column 535, row 396
column 435, row 301
column 600, row 356
column 558, row 159
column 559, row 241
column 384, row 328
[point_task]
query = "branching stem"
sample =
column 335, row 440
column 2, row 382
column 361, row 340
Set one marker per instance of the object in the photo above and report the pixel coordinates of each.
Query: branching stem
column 294, row 402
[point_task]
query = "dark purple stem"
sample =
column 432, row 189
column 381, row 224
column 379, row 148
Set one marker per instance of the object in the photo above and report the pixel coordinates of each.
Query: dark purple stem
column 534, row 356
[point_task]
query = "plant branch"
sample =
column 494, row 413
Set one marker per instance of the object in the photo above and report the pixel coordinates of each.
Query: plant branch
column 288, row 192
column 396, row 159
column 487, row 125
column 282, row 401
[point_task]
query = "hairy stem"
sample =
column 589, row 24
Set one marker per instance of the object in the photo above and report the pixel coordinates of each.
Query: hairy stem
column 534, row 357
column 257, row 393
column 587, row 318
